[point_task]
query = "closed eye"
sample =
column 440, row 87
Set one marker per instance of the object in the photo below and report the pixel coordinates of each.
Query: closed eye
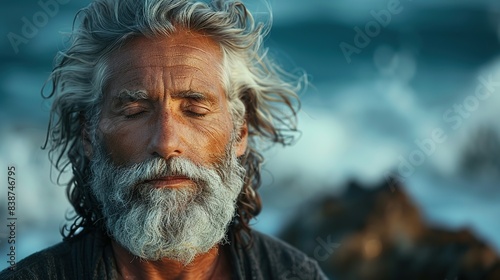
column 133, row 116
column 196, row 111
column 133, row 112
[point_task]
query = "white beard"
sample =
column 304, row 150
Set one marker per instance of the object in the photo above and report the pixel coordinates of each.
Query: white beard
column 177, row 223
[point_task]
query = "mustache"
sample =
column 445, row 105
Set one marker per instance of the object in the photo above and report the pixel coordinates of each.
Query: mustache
column 129, row 183
column 156, row 168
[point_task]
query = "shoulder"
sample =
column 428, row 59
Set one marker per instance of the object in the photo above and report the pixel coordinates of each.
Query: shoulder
column 283, row 260
column 45, row 264
column 77, row 256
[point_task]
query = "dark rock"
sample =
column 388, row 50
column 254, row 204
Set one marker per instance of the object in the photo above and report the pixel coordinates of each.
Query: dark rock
column 378, row 233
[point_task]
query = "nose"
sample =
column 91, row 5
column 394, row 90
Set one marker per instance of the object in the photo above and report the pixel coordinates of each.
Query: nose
column 166, row 140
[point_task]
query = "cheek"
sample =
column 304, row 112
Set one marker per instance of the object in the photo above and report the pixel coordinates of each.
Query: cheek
column 122, row 141
column 211, row 138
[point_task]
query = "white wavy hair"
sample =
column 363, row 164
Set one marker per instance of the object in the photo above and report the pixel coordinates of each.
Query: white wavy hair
column 258, row 90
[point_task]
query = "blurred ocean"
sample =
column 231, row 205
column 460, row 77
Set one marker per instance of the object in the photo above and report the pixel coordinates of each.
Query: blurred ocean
column 364, row 116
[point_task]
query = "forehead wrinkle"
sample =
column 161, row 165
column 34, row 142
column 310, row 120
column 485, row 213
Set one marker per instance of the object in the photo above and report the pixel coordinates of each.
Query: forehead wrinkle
column 118, row 74
column 187, row 62
column 175, row 55
column 130, row 57
column 205, row 52
column 212, row 88
column 181, row 65
column 130, row 54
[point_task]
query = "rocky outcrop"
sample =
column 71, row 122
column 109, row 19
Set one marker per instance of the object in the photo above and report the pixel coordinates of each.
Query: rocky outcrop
column 378, row 233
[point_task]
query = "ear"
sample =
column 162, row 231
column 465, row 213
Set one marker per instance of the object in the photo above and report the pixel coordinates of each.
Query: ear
column 87, row 145
column 241, row 144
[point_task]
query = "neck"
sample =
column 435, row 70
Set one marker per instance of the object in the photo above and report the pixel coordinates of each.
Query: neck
column 210, row 265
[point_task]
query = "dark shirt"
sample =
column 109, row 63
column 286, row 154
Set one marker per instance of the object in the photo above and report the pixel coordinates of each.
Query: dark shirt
column 90, row 256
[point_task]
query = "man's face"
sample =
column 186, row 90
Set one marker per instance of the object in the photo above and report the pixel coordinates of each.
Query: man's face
column 181, row 110
column 164, row 166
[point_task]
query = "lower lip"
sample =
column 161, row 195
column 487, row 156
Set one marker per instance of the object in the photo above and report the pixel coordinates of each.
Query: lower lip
column 170, row 183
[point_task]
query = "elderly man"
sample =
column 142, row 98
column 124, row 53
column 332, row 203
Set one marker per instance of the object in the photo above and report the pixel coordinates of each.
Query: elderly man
column 157, row 105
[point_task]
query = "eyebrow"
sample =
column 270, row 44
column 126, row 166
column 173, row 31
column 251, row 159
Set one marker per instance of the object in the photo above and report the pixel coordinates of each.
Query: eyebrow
column 126, row 95
column 190, row 94
column 131, row 95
